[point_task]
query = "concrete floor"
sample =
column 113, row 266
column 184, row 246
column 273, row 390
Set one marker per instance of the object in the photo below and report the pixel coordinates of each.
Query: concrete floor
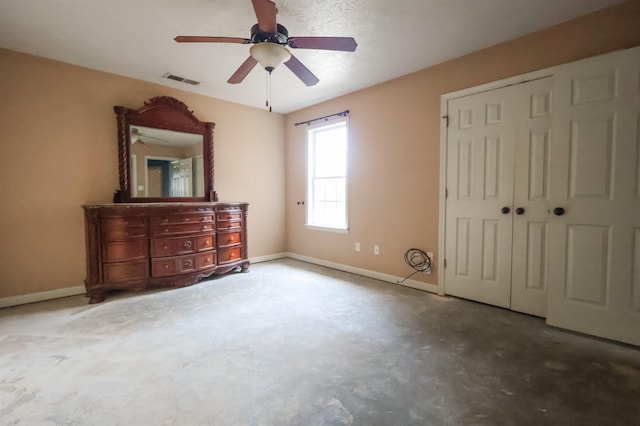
column 296, row 344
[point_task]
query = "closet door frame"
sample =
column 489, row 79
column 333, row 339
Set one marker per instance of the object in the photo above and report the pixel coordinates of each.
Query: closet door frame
column 600, row 299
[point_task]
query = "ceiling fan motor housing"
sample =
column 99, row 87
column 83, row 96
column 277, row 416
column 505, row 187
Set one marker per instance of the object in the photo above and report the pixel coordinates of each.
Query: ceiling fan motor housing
column 259, row 36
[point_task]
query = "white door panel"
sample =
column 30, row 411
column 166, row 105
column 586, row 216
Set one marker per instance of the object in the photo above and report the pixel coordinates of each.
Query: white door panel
column 480, row 182
column 531, row 193
column 593, row 278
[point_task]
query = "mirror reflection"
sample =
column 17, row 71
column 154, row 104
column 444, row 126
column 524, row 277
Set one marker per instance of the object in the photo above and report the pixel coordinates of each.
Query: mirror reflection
column 166, row 163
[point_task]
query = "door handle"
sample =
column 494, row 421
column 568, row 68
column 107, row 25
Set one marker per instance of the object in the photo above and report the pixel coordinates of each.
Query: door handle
column 505, row 210
column 558, row 211
column 519, row 211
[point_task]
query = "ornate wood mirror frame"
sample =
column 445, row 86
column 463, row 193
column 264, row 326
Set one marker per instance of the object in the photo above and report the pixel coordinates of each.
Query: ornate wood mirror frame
column 167, row 114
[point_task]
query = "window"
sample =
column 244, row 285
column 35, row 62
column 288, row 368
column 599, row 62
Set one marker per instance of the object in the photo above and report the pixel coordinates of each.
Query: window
column 327, row 175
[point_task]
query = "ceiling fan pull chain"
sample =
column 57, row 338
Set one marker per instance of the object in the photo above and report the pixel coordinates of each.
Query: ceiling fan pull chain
column 268, row 89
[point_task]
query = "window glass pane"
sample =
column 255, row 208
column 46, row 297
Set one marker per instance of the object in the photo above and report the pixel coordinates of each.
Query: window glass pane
column 326, row 180
column 341, row 190
column 330, row 152
column 319, row 190
column 331, row 190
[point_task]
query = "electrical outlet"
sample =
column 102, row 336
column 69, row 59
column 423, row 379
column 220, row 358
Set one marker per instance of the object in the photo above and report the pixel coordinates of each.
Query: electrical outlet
column 357, row 246
column 376, row 250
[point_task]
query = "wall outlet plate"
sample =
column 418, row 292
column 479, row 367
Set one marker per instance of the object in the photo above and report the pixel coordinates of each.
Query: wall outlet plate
column 358, row 246
column 376, row 250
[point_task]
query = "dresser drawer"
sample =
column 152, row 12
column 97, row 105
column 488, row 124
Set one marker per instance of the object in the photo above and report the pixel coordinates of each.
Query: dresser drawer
column 123, row 222
column 229, row 254
column 232, row 215
column 224, row 225
column 123, row 228
column 117, row 251
column 206, row 260
column 226, row 239
column 228, row 220
column 177, row 229
column 168, row 266
column 126, row 272
column 176, row 265
column 171, row 219
column 162, row 247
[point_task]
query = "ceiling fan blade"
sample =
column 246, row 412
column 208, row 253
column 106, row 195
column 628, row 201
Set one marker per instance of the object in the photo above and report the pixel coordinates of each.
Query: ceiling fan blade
column 242, row 72
column 206, row 39
column 302, row 72
column 266, row 14
column 346, row 44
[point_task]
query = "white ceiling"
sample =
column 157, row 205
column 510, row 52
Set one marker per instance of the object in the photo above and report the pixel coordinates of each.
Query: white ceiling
column 134, row 38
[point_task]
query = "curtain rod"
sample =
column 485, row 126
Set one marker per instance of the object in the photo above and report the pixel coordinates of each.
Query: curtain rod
column 338, row 114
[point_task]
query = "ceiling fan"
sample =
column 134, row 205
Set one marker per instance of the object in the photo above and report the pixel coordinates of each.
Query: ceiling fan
column 269, row 40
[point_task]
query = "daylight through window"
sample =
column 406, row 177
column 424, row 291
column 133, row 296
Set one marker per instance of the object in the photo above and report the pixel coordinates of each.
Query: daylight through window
column 327, row 175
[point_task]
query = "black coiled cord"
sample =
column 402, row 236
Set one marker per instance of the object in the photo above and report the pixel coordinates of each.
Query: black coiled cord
column 418, row 260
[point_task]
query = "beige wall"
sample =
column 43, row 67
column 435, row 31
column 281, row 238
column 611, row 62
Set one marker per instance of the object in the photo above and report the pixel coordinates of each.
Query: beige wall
column 395, row 140
column 58, row 150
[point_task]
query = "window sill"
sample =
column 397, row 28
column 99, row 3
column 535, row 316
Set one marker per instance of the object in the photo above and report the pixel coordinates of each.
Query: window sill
column 327, row 229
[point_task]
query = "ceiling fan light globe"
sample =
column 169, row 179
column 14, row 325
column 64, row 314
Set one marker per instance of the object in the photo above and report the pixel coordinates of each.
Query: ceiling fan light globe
column 269, row 55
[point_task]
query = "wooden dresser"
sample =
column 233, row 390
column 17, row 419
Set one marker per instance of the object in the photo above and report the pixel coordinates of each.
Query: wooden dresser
column 136, row 246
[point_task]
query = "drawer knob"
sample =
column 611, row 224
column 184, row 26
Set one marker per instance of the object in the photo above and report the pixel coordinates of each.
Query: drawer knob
column 188, row 244
column 186, row 219
column 204, row 228
column 166, row 266
column 165, row 247
column 188, row 263
column 165, row 230
column 165, row 220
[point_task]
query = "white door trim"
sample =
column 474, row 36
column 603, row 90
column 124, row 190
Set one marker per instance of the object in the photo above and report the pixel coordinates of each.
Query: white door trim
column 444, row 101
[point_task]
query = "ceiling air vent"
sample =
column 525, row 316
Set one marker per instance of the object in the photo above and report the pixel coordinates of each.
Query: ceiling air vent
column 182, row 79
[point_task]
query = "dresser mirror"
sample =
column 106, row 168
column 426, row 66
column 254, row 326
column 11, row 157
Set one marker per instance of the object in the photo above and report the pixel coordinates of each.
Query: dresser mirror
column 165, row 153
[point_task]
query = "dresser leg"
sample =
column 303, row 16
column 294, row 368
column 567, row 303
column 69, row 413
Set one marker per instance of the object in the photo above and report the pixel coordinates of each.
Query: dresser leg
column 244, row 267
column 96, row 298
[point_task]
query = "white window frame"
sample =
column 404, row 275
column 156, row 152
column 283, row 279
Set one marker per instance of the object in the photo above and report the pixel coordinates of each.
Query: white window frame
column 309, row 204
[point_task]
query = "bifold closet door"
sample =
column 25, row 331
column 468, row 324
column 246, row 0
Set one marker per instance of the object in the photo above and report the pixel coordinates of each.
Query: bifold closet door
column 480, row 152
column 594, row 238
column 497, row 206
column 531, row 198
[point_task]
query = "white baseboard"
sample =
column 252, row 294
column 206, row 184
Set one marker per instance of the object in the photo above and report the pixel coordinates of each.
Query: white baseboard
column 41, row 296
column 268, row 257
column 432, row 288
column 74, row 291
